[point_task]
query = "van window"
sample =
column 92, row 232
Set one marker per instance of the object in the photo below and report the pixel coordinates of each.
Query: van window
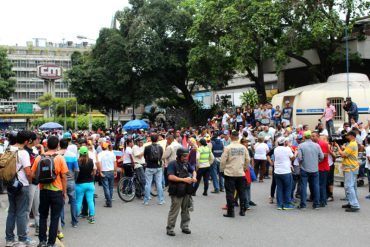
column 337, row 103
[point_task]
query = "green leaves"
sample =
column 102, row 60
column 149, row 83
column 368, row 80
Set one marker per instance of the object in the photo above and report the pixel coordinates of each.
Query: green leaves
column 7, row 82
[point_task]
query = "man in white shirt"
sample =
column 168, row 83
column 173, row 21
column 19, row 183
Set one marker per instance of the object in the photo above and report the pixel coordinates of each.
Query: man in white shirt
column 169, row 154
column 108, row 164
column 18, row 201
column 225, row 119
column 138, row 155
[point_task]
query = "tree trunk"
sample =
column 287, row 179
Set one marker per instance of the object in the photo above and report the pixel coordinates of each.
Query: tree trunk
column 260, row 83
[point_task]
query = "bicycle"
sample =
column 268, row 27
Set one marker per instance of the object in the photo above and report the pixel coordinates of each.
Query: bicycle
column 130, row 187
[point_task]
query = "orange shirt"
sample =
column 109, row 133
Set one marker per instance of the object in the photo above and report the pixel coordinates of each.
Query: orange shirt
column 60, row 168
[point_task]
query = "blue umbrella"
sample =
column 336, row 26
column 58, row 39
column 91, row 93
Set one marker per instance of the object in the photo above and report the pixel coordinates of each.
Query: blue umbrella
column 51, row 125
column 135, row 124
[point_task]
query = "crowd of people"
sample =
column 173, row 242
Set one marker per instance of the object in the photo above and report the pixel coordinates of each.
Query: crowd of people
column 232, row 149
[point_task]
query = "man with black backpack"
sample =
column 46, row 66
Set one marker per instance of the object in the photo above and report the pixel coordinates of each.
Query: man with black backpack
column 18, row 192
column 153, row 157
column 181, row 176
column 50, row 170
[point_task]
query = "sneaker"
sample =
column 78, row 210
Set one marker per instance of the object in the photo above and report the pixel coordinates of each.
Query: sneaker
column 11, row 243
column 222, row 190
column 82, row 216
column 107, row 206
column 215, row 191
column 60, row 235
column 74, row 226
column 290, row 207
column 28, row 242
column 252, row 204
column 279, row 208
column 37, row 230
column 367, row 197
column 161, row 203
column 205, row 194
column 346, row 206
column 300, row 207
column 42, row 244
column 91, row 220
column 330, row 199
column 146, row 203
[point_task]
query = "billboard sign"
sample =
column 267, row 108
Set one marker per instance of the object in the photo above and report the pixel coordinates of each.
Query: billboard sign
column 49, row 72
column 24, row 108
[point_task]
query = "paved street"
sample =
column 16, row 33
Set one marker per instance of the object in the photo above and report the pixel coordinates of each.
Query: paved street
column 132, row 224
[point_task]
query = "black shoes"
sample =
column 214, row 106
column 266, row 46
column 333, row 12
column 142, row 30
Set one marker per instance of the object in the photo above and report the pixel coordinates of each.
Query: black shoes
column 252, row 204
column 352, row 210
column 107, row 206
column 205, row 193
column 171, row 233
column 230, row 214
column 346, row 206
column 215, row 192
column 186, row 231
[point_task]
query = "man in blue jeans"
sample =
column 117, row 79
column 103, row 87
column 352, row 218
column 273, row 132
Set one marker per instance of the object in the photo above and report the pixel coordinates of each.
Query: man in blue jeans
column 108, row 166
column 18, row 201
column 217, row 150
column 153, row 156
column 309, row 156
column 73, row 170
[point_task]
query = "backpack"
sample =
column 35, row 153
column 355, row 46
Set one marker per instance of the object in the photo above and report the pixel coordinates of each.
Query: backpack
column 155, row 153
column 8, row 164
column 46, row 169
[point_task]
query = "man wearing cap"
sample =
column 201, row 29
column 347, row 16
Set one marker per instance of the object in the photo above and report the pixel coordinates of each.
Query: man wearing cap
column 309, row 156
column 351, row 109
column 287, row 114
column 225, row 138
column 108, row 164
column 234, row 162
column 181, row 176
column 217, row 150
column 350, row 169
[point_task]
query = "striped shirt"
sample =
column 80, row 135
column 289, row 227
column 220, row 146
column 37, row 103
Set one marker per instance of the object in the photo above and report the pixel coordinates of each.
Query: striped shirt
column 350, row 162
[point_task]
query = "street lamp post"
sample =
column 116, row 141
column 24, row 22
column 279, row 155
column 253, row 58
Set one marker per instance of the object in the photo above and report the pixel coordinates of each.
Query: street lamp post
column 76, row 120
column 65, row 115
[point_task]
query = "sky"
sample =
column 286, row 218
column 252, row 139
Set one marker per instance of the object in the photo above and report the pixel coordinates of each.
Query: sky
column 23, row 20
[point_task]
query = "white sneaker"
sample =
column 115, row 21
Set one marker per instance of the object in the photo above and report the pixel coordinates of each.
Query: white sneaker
column 28, row 242
column 11, row 243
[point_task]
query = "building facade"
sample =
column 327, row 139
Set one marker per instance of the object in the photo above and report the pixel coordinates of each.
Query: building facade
column 29, row 87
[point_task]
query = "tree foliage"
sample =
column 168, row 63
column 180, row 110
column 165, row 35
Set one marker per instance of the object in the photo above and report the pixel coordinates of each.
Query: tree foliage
column 249, row 97
column 7, row 82
column 57, row 105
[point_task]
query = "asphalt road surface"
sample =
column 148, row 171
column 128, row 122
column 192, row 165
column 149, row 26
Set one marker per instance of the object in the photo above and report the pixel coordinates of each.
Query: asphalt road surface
column 133, row 224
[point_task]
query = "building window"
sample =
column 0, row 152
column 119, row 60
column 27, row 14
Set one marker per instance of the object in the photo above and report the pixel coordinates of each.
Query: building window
column 337, row 103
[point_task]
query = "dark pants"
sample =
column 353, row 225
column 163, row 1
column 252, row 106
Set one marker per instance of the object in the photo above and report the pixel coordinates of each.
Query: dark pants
column 259, row 168
column 368, row 178
column 232, row 184
column 203, row 173
column 330, row 127
column 313, row 179
column 141, row 177
column 283, row 190
column 53, row 201
column 295, row 184
column 273, row 184
column 267, row 169
column 323, row 178
column 330, row 181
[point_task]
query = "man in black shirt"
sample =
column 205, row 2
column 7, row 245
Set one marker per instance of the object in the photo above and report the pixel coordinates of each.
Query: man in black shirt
column 153, row 157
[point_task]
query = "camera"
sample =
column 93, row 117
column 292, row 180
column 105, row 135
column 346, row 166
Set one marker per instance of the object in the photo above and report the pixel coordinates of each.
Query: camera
column 340, row 139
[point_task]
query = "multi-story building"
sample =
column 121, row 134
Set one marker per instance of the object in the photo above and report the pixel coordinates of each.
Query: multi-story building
column 29, row 87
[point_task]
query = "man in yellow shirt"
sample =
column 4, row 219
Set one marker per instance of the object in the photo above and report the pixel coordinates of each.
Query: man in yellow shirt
column 350, row 169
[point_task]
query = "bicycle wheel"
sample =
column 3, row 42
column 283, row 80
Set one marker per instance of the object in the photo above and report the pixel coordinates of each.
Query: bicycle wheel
column 126, row 189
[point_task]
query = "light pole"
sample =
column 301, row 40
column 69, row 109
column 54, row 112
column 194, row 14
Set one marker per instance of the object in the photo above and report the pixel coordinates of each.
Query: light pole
column 347, row 59
column 65, row 115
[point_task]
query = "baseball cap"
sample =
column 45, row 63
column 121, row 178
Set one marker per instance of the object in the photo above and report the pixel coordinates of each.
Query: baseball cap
column 299, row 137
column 226, row 132
column 281, row 140
column 84, row 150
column 307, row 133
column 67, row 135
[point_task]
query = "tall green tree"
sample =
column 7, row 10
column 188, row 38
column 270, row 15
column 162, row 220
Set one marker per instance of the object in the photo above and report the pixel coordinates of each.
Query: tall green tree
column 319, row 25
column 7, row 81
column 240, row 28
column 57, row 105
